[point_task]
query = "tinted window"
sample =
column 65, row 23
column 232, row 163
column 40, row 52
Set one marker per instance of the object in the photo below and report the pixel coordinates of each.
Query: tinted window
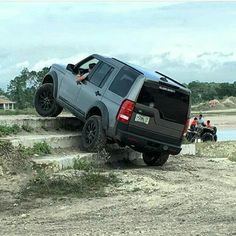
column 123, row 81
column 101, row 74
column 172, row 106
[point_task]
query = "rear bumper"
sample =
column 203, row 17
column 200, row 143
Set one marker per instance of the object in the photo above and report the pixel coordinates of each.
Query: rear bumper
column 144, row 144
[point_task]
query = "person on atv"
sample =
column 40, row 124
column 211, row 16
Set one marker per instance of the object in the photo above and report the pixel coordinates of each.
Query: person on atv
column 208, row 124
column 201, row 121
column 194, row 124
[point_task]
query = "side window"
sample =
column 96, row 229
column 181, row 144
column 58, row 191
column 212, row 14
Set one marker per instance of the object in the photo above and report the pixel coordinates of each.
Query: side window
column 101, row 74
column 123, row 81
column 84, row 66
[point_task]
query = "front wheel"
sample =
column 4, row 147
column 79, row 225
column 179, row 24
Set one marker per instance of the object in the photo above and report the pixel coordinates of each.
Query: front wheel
column 93, row 135
column 45, row 103
column 155, row 159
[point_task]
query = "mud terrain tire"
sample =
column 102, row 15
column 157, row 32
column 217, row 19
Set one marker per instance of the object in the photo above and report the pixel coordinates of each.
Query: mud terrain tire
column 45, row 103
column 93, row 135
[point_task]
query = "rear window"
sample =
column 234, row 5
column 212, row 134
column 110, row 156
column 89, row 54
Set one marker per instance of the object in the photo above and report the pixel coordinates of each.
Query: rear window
column 172, row 105
column 123, row 81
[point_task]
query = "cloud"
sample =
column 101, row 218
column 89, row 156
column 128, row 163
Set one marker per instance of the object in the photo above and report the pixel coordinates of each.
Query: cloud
column 185, row 40
column 22, row 65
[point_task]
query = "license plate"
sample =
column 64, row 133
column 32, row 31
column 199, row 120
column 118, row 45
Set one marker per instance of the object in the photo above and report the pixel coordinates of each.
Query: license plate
column 142, row 119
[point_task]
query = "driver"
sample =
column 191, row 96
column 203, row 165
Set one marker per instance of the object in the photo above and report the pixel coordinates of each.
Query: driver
column 79, row 77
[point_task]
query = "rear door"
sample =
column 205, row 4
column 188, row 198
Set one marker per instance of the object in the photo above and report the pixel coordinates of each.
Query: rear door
column 92, row 89
column 160, row 112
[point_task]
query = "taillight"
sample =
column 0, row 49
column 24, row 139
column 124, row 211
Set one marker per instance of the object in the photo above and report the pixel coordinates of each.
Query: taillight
column 186, row 126
column 126, row 111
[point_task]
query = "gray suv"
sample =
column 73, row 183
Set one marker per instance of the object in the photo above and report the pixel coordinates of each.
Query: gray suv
column 119, row 102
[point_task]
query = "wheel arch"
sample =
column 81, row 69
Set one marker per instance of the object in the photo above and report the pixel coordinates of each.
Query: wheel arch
column 100, row 109
column 52, row 78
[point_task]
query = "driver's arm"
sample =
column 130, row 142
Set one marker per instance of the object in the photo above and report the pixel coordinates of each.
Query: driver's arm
column 81, row 77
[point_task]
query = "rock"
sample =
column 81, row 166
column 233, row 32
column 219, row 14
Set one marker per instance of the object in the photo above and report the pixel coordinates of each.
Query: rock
column 23, row 216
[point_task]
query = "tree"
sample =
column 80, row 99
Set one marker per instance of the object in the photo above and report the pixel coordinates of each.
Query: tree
column 23, row 87
column 2, row 93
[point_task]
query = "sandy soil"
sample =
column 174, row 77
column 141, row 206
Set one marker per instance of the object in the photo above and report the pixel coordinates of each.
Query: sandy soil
column 188, row 196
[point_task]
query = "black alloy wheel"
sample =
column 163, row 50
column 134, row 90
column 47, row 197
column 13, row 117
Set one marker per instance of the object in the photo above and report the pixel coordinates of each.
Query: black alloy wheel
column 91, row 131
column 45, row 103
column 93, row 135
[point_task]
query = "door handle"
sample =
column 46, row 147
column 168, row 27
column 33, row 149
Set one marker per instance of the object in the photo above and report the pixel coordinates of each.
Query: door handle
column 97, row 93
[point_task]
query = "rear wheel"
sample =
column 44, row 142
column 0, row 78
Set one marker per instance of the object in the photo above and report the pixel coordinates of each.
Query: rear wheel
column 45, row 103
column 215, row 137
column 93, row 135
column 155, row 159
column 207, row 137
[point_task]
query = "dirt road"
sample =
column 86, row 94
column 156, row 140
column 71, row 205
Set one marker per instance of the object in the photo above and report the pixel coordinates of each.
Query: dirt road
column 188, row 196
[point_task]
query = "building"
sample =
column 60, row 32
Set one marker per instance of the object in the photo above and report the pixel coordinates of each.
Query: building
column 6, row 104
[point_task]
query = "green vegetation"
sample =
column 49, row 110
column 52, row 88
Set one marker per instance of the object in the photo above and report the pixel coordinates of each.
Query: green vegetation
column 7, row 130
column 86, row 184
column 86, row 165
column 13, row 129
column 203, row 91
column 23, row 87
column 185, row 141
column 18, row 159
column 217, row 150
column 41, row 148
column 25, row 111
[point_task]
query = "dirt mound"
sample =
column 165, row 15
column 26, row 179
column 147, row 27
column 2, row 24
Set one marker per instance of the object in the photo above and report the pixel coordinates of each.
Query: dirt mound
column 226, row 103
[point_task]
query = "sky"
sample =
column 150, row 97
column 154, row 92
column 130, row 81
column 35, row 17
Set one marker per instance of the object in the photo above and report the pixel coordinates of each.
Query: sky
column 184, row 40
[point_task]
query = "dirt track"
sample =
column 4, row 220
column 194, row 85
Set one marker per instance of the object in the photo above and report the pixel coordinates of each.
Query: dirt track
column 189, row 196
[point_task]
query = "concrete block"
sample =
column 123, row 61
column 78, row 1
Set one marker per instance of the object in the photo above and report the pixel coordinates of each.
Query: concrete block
column 57, row 163
column 36, row 122
column 188, row 149
column 53, row 140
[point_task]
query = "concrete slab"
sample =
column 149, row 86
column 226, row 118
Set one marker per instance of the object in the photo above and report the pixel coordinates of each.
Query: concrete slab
column 66, row 161
column 37, row 122
column 55, row 163
column 188, row 149
column 53, row 140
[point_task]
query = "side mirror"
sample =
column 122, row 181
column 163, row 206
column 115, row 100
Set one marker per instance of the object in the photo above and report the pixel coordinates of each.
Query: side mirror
column 70, row 67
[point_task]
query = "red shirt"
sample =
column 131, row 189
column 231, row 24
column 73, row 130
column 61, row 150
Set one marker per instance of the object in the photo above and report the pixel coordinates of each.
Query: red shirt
column 194, row 123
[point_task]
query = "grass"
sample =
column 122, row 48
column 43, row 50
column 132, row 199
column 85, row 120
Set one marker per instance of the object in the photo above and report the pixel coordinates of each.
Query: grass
column 26, row 111
column 78, row 184
column 87, row 179
column 185, row 141
column 217, row 150
column 18, row 159
column 7, row 130
column 13, row 129
column 40, row 148
column 85, row 165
